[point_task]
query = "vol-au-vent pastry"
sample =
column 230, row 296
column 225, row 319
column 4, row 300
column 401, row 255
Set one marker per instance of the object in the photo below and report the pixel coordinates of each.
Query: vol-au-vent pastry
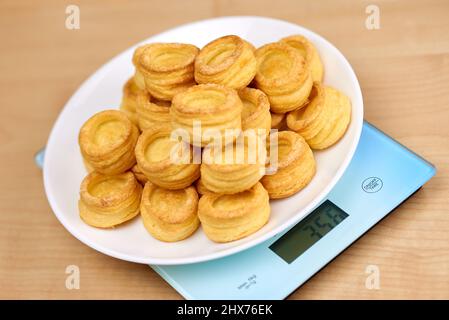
column 107, row 141
column 295, row 166
column 169, row 215
column 278, row 121
column 129, row 99
column 109, row 200
column 229, row 217
column 324, row 120
column 309, row 53
column 151, row 112
column 256, row 110
column 139, row 80
column 139, row 174
column 216, row 108
column 167, row 68
column 283, row 75
column 234, row 167
column 166, row 162
column 228, row 60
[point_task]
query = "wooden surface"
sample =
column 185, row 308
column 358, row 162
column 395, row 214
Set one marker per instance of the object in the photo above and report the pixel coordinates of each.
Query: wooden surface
column 404, row 71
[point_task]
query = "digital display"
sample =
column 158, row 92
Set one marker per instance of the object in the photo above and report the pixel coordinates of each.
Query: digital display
column 308, row 231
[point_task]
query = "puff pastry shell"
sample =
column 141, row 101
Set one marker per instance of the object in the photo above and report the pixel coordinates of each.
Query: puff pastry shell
column 151, row 112
column 169, row 215
column 167, row 68
column 153, row 153
column 296, row 166
column 129, row 100
column 107, row 141
column 109, row 200
column 283, row 75
column 139, row 80
column 324, row 120
column 229, row 173
column 228, row 60
column 227, row 218
column 214, row 106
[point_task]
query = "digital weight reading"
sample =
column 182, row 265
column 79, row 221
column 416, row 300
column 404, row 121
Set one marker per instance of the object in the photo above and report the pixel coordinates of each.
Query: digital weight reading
column 307, row 232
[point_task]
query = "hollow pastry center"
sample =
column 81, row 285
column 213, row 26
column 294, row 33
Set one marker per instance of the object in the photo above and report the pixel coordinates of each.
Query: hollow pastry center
column 159, row 149
column 248, row 108
column 170, row 57
column 107, row 187
column 219, row 54
column 208, row 98
column 109, row 131
column 300, row 48
column 171, row 202
column 233, row 201
column 276, row 64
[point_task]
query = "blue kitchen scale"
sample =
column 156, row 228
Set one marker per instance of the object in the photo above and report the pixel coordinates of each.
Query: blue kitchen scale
column 382, row 174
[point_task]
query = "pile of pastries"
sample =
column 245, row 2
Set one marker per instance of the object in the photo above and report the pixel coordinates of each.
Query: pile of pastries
column 230, row 88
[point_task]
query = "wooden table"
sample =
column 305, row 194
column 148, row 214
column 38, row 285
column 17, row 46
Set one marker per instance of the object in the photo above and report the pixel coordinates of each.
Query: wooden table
column 404, row 71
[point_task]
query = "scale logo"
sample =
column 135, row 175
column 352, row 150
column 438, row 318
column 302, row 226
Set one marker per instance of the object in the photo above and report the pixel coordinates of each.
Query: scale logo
column 372, row 184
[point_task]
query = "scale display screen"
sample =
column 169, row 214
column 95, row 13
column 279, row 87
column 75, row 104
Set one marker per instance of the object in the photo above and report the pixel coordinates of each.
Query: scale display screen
column 308, row 231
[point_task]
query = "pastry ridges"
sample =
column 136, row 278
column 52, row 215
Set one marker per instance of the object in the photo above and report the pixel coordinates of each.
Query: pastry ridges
column 237, row 68
column 111, row 207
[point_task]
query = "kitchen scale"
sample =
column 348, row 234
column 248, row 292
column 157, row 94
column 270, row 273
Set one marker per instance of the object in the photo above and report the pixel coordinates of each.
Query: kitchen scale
column 382, row 174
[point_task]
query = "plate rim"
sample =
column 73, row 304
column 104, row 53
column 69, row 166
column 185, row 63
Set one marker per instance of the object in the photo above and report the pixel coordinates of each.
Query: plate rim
column 97, row 76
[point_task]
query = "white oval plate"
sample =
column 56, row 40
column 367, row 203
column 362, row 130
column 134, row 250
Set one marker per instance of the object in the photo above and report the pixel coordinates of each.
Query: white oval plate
column 64, row 170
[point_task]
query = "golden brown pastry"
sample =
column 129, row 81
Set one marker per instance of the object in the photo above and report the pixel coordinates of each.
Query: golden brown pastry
column 228, row 60
column 154, row 153
column 151, row 112
column 139, row 174
column 214, row 106
column 238, row 170
column 109, row 200
column 309, row 53
column 324, row 120
column 139, row 80
column 87, row 166
column 283, row 75
column 167, row 68
column 200, row 188
column 129, row 100
column 278, row 121
column 107, row 141
column 296, row 166
column 227, row 218
column 169, row 215
column 256, row 110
